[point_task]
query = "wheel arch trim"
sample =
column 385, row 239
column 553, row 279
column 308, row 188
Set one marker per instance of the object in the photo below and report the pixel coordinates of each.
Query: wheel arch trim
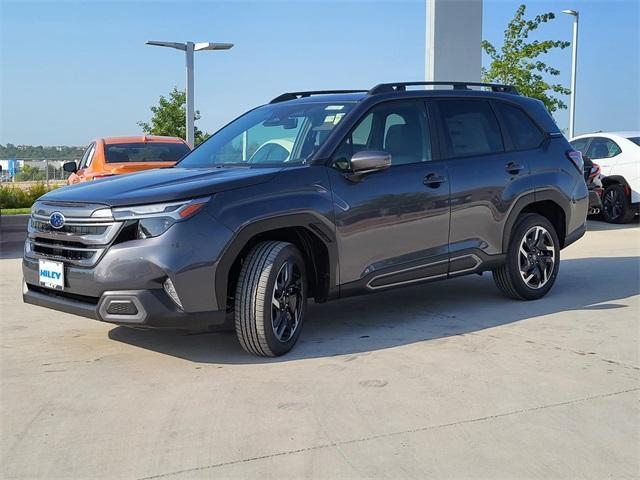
column 614, row 179
column 311, row 222
column 530, row 198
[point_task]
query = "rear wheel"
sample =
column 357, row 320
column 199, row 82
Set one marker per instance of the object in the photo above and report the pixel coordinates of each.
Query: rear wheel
column 616, row 207
column 533, row 259
column 270, row 299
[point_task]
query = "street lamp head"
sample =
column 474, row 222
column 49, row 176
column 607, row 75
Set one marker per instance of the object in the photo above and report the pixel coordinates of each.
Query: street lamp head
column 212, row 46
column 179, row 46
column 571, row 12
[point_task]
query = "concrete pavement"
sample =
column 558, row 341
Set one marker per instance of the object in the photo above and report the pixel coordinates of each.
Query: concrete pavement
column 444, row 380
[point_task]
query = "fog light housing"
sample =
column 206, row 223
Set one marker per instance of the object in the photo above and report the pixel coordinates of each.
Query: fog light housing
column 171, row 291
column 121, row 307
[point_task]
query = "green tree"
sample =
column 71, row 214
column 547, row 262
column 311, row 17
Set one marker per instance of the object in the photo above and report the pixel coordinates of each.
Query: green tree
column 26, row 152
column 29, row 173
column 517, row 63
column 168, row 118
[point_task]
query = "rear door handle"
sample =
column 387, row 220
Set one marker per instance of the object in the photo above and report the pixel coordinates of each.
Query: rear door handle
column 513, row 168
column 434, row 180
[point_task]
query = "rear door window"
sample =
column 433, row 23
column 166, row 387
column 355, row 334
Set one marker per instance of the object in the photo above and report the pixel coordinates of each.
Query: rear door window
column 470, row 128
column 603, row 148
column 524, row 134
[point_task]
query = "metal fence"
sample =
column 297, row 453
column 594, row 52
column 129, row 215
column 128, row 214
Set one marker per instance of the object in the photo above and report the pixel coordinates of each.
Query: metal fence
column 35, row 170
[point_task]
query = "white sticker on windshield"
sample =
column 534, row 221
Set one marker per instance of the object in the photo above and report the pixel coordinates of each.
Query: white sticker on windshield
column 334, row 107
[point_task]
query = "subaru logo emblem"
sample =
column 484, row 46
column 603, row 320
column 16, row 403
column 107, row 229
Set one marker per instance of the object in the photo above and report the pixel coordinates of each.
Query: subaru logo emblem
column 56, row 220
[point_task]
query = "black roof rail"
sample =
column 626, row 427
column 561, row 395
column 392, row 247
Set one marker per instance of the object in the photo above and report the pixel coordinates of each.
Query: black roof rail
column 293, row 95
column 402, row 86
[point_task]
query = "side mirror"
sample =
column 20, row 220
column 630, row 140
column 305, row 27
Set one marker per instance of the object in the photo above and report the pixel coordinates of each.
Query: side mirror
column 70, row 167
column 369, row 161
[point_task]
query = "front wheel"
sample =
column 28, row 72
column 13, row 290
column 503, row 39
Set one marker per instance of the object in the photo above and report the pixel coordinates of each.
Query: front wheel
column 270, row 299
column 616, row 207
column 533, row 259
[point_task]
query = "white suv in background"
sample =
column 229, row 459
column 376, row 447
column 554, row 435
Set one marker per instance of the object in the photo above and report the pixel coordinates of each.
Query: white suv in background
column 618, row 154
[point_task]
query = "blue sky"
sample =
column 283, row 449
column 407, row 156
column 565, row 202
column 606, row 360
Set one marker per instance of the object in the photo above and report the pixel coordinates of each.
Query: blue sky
column 75, row 70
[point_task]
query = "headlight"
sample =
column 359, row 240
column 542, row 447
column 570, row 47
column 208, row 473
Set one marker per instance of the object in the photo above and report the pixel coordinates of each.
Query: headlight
column 155, row 219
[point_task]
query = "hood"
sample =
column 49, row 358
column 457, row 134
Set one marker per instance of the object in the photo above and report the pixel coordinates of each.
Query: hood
column 161, row 185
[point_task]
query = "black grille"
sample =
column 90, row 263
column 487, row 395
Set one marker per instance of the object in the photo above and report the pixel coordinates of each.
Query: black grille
column 70, row 229
column 60, row 242
column 63, row 253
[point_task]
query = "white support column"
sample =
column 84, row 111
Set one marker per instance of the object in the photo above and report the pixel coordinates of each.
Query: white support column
column 574, row 67
column 190, row 109
column 453, row 40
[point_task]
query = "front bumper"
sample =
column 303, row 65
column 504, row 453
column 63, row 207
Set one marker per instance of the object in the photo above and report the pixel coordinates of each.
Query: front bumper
column 131, row 275
column 152, row 308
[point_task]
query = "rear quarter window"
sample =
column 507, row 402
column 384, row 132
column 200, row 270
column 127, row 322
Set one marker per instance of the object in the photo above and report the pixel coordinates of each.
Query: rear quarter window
column 580, row 145
column 523, row 132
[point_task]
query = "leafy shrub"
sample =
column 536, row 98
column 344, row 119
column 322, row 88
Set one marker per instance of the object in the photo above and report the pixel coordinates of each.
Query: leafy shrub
column 13, row 197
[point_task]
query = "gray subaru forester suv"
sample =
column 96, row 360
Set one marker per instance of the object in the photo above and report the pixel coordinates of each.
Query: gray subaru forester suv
column 316, row 195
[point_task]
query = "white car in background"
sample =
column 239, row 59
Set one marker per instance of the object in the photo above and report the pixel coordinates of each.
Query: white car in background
column 618, row 154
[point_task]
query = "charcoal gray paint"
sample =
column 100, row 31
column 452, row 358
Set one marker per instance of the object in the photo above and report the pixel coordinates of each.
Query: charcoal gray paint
column 392, row 226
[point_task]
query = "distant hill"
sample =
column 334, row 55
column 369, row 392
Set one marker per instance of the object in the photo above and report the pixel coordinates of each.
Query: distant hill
column 26, row 152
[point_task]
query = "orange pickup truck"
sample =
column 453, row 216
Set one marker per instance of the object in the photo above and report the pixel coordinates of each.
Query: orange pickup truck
column 117, row 155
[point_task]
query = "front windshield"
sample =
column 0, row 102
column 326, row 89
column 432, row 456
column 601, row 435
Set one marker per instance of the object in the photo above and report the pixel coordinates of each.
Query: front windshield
column 278, row 134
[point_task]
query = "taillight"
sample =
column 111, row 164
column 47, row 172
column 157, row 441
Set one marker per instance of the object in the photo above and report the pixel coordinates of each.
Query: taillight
column 576, row 158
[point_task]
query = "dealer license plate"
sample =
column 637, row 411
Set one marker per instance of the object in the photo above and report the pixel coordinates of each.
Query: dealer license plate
column 51, row 274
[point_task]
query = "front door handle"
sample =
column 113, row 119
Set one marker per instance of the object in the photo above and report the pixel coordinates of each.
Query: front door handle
column 434, row 180
column 513, row 168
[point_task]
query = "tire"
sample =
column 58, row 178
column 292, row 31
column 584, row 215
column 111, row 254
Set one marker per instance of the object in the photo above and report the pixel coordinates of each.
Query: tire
column 616, row 207
column 538, row 260
column 262, row 328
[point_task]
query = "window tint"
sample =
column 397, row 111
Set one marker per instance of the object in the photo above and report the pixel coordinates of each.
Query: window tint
column 391, row 120
column 360, row 135
column 580, row 144
column 470, row 128
column 635, row 140
column 145, row 152
column 603, row 148
column 276, row 134
column 523, row 132
column 398, row 128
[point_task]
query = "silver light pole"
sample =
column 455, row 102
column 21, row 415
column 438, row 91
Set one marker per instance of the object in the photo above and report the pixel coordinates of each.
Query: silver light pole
column 189, row 48
column 574, row 64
